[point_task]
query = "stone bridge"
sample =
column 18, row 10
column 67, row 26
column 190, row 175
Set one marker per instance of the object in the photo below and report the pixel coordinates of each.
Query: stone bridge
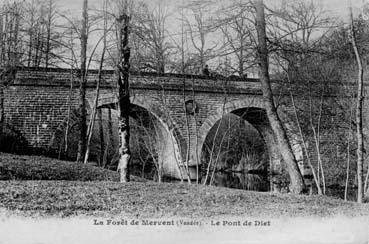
column 184, row 108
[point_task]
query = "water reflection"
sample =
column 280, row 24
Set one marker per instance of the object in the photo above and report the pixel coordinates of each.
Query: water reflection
column 246, row 180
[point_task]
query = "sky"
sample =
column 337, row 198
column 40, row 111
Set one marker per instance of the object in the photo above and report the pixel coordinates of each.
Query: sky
column 340, row 7
column 336, row 7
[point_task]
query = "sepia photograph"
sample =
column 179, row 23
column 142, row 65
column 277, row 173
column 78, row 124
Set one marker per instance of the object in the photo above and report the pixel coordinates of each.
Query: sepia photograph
column 184, row 121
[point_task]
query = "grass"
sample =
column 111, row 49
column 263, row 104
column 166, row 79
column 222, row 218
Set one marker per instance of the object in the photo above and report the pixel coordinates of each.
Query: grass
column 143, row 200
column 53, row 191
column 21, row 167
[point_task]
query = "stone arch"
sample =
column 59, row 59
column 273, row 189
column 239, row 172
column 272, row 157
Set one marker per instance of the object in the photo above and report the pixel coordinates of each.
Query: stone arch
column 220, row 112
column 168, row 132
column 254, row 105
column 110, row 101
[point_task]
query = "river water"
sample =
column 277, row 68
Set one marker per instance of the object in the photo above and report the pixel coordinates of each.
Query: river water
column 243, row 180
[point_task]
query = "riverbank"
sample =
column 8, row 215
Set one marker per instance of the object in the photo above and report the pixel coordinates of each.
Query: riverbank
column 41, row 187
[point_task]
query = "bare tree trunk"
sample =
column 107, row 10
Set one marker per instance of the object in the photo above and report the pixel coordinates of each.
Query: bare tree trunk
column 9, row 39
column 124, row 102
column 2, row 85
column 196, row 132
column 315, row 177
column 5, row 41
column 297, row 182
column 68, row 115
column 185, row 165
column 318, row 144
column 48, row 38
column 316, row 133
column 2, row 44
column 15, row 56
column 217, row 158
column 82, row 89
column 2, row 106
column 366, row 180
column 40, row 47
column 153, row 149
column 91, row 125
column 30, row 33
column 37, row 47
column 109, row 141
column 184, row 105
column 102, row 140
column 93, row 114
column 348, row 154
column 69, row 98
column 359, row 114
column 214, row 140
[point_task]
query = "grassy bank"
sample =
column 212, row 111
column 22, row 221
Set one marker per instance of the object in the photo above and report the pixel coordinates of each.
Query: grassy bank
column 39, row 186
column 137, row 199
column 21, row 167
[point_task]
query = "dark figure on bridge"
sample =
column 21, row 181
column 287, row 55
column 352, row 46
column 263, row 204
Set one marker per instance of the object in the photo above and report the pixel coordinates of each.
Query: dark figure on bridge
column 205, row 71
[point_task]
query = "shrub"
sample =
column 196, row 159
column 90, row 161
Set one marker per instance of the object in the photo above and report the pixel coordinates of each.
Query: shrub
column 12, row 141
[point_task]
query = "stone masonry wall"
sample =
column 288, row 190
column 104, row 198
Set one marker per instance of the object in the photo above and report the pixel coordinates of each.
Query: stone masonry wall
column 36, row 102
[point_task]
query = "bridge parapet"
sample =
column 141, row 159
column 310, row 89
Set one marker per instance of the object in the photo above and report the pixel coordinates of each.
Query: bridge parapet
column 29, row 76
column 63, row 77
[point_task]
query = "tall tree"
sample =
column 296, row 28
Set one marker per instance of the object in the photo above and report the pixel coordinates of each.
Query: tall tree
column 199, row 29
column 238, row 37
column 10, row 14
column 359, row 113
column 297, row 183
column 124, row 102
column 82, row 89
column 49, row 25
column 91, row 124
column 150, row 28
